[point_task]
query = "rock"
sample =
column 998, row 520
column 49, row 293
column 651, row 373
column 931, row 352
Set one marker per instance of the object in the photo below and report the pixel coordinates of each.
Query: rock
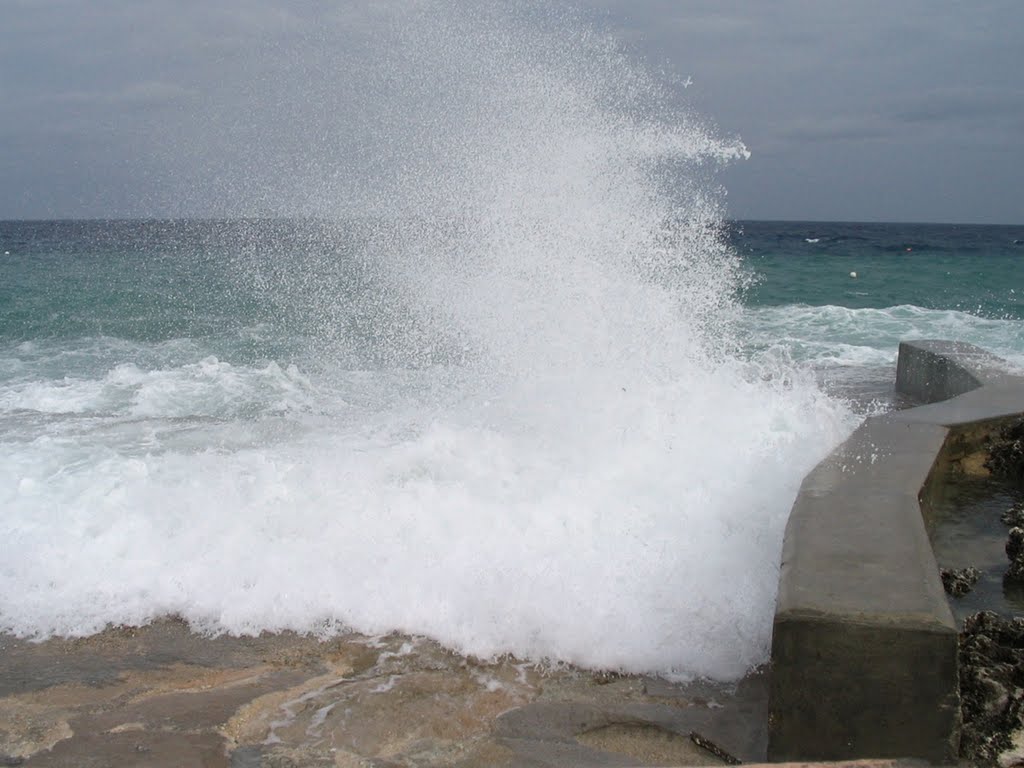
column 1006, row 453
column 161, row 696
column 1015, row 543
column 1015, row 552
column 1014, row 516
column 959, row 581
column 991, row 686
column 1015, row 573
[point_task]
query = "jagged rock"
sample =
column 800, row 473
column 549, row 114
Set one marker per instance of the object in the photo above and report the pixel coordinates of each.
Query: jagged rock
column 1014, row 516
column 1006, row 453
column 959, row 581
column 1015, row 552
column 991, row 685
column 1015, row 573
column 1015, row 543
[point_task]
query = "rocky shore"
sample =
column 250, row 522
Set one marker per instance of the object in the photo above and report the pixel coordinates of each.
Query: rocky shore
column 162, row 696
column 992, row 690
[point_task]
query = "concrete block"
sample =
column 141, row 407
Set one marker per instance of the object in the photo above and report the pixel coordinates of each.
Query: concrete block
column 864, row 650
column 864, row 644
column 849, row 689
column 931, row 370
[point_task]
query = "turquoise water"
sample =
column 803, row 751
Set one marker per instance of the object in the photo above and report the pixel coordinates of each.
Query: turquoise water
column 971, row 269
column 153, row 281
column 912, row 281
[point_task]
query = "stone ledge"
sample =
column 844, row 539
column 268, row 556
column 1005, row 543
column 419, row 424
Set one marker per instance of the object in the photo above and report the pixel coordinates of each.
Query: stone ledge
column 864, row 649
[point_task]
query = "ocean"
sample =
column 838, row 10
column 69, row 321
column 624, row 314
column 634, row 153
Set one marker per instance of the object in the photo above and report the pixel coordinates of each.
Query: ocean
column 254, row 426
column 840, row 297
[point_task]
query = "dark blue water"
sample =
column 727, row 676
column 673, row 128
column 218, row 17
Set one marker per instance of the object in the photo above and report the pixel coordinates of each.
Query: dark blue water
column 969, row 268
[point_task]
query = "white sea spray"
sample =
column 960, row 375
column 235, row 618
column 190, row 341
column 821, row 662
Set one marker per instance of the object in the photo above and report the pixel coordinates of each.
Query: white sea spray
column 532, row 434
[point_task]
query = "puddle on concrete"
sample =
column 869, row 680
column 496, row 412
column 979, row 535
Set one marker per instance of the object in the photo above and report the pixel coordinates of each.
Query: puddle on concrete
column 966, row 531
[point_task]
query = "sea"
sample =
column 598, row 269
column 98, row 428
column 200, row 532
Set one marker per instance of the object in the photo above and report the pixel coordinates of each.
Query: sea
column 839, row 297
column 457, row 339
column 249, row 425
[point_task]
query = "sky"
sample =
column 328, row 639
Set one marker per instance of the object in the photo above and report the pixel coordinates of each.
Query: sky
column 866, row 110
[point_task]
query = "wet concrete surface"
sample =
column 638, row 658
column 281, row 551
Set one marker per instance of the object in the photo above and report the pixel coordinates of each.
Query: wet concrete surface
column 163, row 696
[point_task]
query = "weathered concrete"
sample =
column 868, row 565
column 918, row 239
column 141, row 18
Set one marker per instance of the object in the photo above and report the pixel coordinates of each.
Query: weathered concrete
column 931, row 371
column 864, row 645
column 864, row 651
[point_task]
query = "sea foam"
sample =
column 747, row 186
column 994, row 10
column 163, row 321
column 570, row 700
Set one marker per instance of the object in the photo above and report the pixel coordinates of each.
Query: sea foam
column 533, row 434
column 832, row 335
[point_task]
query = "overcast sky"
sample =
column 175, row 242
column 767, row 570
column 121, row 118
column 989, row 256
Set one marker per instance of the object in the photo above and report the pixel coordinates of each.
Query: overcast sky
column 890, row 110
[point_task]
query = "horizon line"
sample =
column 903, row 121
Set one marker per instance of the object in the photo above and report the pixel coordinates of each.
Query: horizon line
column 732, row 220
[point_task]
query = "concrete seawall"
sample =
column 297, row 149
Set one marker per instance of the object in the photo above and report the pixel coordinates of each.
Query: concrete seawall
column 864, row 649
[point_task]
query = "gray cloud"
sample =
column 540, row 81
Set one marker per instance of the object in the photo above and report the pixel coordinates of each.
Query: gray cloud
column 139, row 94
column 120, row 107
column 962, row 103
column 843, row 102
column 834, row 128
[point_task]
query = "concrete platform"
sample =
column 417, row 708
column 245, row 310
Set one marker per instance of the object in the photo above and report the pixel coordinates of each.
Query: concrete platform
column 864, row 650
